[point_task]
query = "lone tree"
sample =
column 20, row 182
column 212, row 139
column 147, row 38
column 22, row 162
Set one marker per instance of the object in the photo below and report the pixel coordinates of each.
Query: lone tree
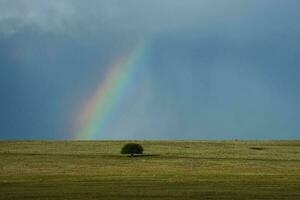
column 132, row 148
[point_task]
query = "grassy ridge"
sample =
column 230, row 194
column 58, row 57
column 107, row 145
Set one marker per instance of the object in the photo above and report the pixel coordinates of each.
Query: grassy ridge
column 171, row 170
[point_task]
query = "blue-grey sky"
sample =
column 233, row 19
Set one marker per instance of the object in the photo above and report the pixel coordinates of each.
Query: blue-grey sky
column 213, row 69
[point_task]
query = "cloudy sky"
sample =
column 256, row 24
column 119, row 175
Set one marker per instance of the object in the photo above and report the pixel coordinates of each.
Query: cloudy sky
column 211, row 70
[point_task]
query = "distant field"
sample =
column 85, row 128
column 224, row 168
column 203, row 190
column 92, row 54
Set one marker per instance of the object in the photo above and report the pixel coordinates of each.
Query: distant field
column 171, row 170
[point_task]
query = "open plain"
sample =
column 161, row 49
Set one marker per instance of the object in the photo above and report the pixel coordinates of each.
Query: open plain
column 167, row 170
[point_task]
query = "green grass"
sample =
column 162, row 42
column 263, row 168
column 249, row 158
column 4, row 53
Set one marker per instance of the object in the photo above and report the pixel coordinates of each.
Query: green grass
column 171, row 170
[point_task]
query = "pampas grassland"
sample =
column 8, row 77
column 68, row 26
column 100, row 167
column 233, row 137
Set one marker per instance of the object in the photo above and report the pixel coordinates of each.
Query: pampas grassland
column 168, row 170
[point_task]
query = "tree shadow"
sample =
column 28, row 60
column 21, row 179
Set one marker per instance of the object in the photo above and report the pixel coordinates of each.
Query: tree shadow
column 142, row 155
column 257, row 148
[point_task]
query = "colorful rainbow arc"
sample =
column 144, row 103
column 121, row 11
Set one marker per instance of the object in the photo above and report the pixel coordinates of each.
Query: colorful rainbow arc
column 98, row 110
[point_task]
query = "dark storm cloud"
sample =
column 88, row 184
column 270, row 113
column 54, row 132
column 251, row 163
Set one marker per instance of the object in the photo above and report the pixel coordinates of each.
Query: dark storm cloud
column 138, row 16
column 215, row 69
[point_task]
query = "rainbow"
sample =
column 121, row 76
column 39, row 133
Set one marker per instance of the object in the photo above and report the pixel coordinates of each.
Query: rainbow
column 98, row 110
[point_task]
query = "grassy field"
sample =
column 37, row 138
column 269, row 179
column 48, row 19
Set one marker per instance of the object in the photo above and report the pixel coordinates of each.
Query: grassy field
column 169, row 170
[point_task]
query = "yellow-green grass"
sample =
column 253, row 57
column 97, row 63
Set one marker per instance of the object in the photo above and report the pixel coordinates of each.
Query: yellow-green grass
column 169, row 170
